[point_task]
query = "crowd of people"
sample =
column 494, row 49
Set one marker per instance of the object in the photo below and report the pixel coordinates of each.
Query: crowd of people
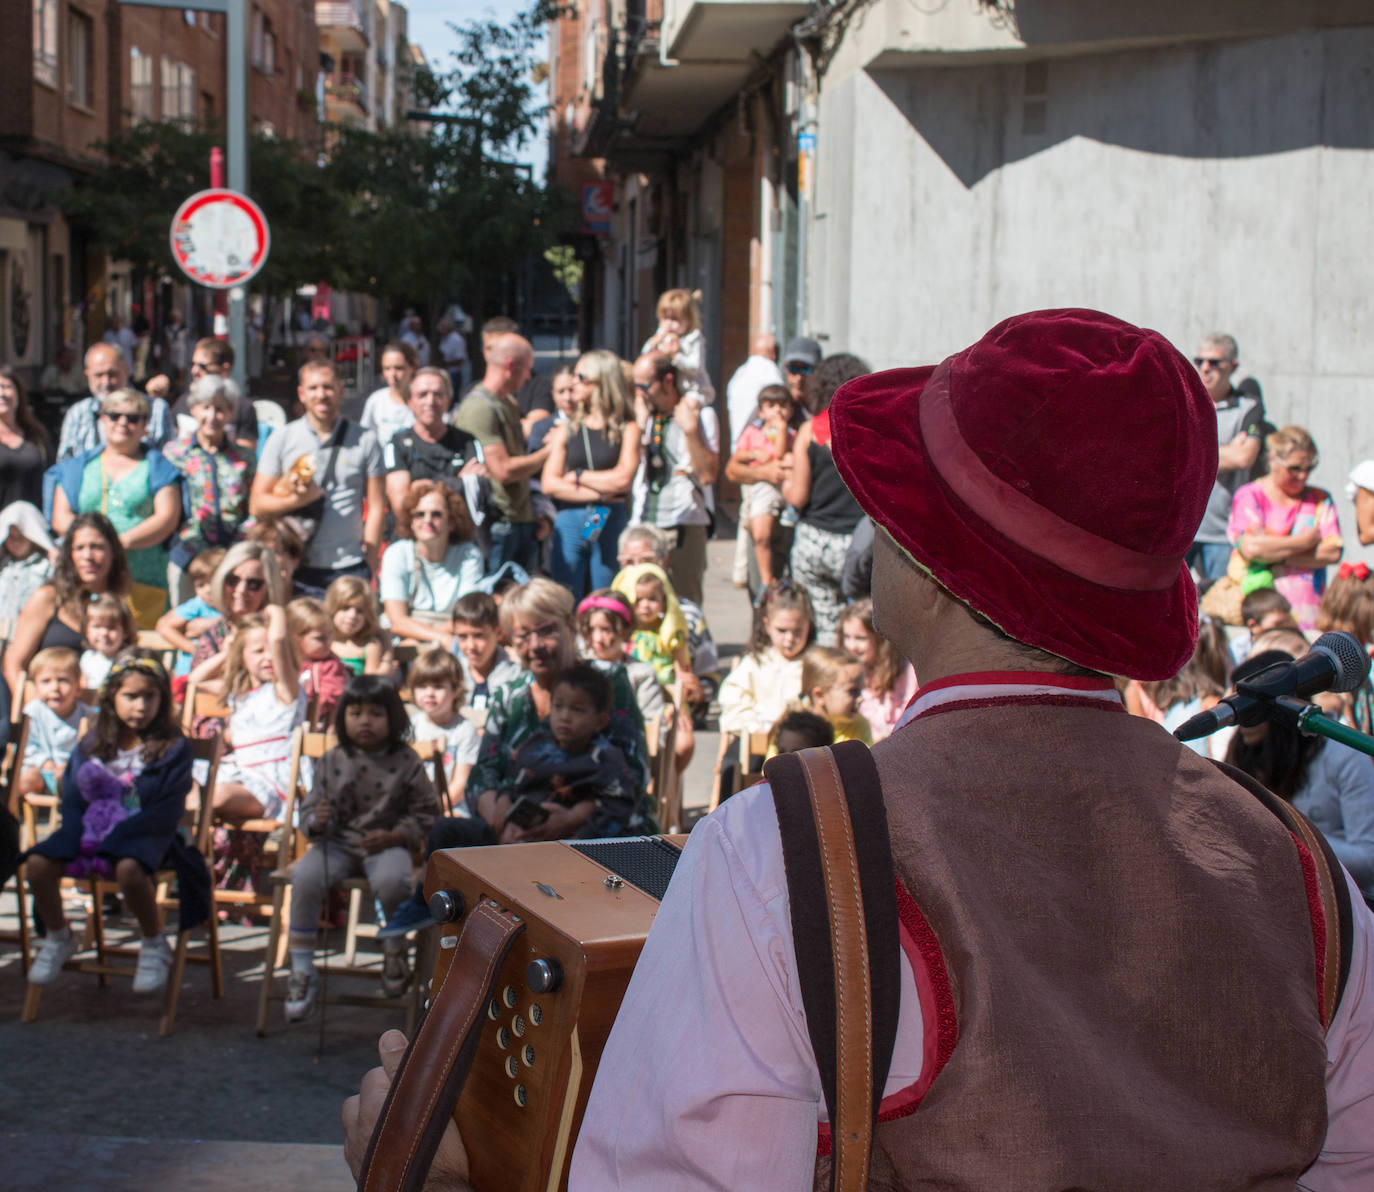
column 518, row 572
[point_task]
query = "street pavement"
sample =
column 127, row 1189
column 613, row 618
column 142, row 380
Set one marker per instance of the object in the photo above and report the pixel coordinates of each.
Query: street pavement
column 93, row 1100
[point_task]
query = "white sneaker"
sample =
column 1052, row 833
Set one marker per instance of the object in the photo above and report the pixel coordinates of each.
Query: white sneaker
column 54, row 951
column 300, row 994
column 154, row 964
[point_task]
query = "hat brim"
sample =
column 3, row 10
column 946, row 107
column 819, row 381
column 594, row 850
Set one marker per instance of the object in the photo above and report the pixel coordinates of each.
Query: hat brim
column 881, row 456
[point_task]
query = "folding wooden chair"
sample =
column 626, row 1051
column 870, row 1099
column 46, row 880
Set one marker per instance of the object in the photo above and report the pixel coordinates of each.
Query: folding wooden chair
column 153, row 641
column 314, row 746
column 103, row 964
column 13, row 765
column 752, row 750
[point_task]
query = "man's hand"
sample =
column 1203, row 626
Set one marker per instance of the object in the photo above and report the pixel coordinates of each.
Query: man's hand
column 448, row 1172
column 324, row 812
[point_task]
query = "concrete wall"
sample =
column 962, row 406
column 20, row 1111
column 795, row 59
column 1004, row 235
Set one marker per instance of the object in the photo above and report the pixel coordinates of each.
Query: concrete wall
column 1225, row 186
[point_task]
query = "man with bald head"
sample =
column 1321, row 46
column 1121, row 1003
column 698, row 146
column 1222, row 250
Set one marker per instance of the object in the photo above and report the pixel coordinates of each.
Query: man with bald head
column 106, row 371
column 489, row 414
column 749, row 380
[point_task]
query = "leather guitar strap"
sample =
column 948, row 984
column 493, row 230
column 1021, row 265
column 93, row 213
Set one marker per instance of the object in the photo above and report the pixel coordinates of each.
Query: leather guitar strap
column 842, row 894
column 430, row 1078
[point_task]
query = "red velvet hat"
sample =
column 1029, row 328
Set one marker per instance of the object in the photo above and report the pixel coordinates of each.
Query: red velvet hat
column 1051, row 477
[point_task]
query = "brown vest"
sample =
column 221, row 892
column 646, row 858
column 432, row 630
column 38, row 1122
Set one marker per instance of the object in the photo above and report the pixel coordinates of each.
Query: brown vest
column 1130, row 952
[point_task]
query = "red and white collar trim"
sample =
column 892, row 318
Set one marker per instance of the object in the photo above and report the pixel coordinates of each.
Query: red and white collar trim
column 1007, row 686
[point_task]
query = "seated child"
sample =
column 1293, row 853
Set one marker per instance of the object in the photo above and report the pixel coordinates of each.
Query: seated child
column 193, row 617
column 1348, row 605
column 486, row 665
column 359, row 643
column 889, row 681
column 576, row 777
column 1262, row 609
column 370, row 807
column 800, row 730
column 767, row 680
column 761, row 503
column 26, row 548
column 263, row 691
column 323, row 675
column 660, row 631
column 123, row 796
column 109, row 629
column 1197, row 687
column 605, row 621
column 436, row 687
column 832, row 682
column 54, row 719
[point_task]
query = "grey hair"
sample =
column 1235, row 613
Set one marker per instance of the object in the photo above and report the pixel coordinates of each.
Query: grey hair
column 440, row 374
column 209, row 387
column 124, row 399
column 643, row 532
column 1227, row 343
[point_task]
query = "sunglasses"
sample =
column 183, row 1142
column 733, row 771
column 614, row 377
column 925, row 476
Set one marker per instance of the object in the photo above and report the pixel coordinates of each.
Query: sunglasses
column 249, row 585
column 1214, row 361
column 642, row 387
column 1298, row 469
column 125, row 416
column 427, row 515
column 798, row 369
column 577, row 376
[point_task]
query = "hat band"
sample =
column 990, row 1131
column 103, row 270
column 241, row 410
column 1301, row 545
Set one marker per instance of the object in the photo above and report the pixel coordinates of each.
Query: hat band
column 1031, row 526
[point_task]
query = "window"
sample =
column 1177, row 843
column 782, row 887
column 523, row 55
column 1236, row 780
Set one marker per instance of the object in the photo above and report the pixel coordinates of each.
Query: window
column 140, row 85
column 45, row 41
column 80, row 40
column 178, row 91
column 264, row 43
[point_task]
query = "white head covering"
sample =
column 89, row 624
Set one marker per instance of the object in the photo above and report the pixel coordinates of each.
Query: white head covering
column 29, row 521
column 1361, row 476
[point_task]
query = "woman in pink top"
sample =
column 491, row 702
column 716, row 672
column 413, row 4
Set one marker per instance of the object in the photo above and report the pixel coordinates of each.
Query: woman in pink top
column 1282, row 523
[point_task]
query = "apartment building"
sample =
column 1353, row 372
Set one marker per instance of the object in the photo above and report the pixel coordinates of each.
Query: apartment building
column 367, row 61
column 893, row 178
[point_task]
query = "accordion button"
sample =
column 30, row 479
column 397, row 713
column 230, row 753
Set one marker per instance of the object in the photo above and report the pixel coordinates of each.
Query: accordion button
column 544, row 975
column 503, row 1038
column 521, row 1096
column 447, row 906
column 527, row 1054
column 512, row 1066
column 517, row 1024
column 536, row 1013
column 508, row 996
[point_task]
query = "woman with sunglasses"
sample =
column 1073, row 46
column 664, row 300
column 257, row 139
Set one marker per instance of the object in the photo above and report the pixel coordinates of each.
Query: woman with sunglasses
column 1285, row 530
column 134, row 486
column 590, row 469
column 432, row 564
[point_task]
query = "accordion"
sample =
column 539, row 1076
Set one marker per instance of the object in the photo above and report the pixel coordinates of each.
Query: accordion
column 536, row 948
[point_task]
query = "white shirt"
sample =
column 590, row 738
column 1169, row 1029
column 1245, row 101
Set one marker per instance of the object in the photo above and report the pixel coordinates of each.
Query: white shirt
column 683, row 500
column 453, row 349
column 724, row 1093
column 384, row 416
column 743, row 389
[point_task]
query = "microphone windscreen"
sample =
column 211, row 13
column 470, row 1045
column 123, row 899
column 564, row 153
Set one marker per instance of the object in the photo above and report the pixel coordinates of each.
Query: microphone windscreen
column 1351, row 659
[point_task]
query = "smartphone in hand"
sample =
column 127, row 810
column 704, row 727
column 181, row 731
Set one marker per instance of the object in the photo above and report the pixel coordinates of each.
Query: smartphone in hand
column 526, row 813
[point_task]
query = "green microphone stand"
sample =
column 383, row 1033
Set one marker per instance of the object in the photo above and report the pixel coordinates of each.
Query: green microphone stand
column 1309, row 720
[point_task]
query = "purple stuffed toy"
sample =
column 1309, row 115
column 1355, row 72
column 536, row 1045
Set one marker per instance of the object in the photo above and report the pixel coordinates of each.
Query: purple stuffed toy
column 104, row 793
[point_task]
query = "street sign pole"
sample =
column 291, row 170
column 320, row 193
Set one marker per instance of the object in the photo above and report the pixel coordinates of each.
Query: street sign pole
column 236, row 121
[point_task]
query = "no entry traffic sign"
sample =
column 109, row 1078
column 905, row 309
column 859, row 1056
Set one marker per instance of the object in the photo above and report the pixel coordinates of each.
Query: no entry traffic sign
column 220, row 238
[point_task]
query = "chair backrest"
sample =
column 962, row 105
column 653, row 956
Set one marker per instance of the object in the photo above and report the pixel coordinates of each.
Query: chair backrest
column 432, row 753
column 201, row 703
column 14, row 763
column 208, row 750
column 151, row 639
column 667, row 782
column 303, row 744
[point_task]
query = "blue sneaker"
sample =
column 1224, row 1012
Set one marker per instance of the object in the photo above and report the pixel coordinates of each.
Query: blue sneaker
column 411, row 915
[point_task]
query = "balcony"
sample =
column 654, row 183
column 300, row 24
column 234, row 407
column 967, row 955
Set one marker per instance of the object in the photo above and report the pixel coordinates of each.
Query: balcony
column 342, row 25
column 717, row 31
column 345, row 101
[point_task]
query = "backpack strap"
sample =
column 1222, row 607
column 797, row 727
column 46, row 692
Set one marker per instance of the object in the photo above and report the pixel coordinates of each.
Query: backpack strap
column 1335, row 932
column 842, row 896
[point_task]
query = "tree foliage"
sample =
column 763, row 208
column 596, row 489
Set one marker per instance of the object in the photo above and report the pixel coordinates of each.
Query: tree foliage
column 416, row 215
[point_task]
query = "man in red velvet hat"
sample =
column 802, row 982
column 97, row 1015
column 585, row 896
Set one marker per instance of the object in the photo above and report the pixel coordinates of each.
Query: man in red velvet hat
column 1107, row 971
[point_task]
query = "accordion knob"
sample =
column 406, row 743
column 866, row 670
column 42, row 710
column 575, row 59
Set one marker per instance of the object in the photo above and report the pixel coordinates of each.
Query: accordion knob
column 544, row 975
column 447, row 906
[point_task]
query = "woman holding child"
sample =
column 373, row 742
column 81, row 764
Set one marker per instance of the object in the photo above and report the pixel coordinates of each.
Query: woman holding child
column 90, row 563
column 431, row 565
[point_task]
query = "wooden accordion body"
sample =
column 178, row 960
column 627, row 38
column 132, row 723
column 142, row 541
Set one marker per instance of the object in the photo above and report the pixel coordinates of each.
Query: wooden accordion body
column 587, row 908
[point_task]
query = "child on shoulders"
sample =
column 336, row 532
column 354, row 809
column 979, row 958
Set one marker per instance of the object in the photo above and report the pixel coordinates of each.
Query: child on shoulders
column 679, row 337
column 109, row 629
column 436, row 687
column 54, row 717
column 192, row 617
column 370, row 807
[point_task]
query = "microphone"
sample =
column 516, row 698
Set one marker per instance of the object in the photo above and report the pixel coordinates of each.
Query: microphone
column 1336, row 662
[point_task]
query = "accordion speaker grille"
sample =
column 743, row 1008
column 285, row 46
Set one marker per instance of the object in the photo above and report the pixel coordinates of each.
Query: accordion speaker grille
column 646, row 862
